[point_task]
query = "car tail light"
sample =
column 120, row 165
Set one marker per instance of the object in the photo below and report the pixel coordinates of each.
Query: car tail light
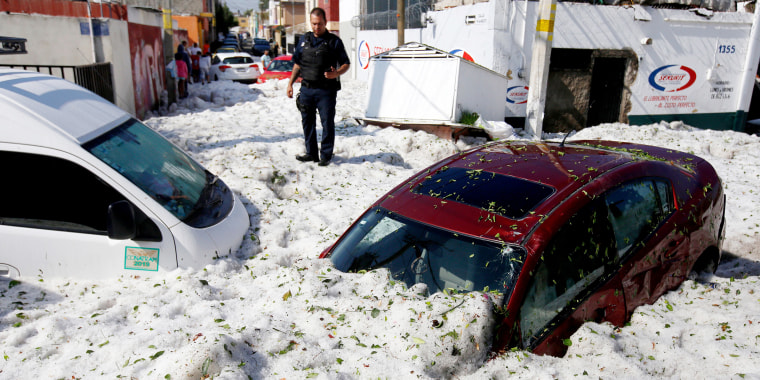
column 224, row 67
column 255, row 65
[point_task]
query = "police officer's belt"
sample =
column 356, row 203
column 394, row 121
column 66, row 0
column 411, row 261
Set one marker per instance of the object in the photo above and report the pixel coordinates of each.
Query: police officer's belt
column 322, row 84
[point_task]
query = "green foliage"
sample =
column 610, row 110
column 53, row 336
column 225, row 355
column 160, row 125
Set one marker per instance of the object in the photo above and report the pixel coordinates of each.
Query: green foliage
column 156, row 355
column 204, row 367
column 468, row 118
column 263, row 5
column 224, row 18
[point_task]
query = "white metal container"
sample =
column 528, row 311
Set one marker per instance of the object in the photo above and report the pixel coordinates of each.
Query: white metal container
column 416, row 83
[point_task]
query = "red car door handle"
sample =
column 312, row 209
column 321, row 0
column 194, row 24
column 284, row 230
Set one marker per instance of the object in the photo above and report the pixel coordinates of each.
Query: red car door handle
column 672, row 248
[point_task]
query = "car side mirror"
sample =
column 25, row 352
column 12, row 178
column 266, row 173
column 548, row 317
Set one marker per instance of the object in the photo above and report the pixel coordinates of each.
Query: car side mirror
column 121, row 221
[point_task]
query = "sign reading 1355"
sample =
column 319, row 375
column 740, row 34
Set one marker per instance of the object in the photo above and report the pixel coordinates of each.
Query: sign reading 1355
column 726, row 49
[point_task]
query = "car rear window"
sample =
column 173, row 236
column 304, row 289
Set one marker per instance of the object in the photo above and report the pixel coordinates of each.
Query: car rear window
column 234, row 60
column 507, row 196
column 281, row 66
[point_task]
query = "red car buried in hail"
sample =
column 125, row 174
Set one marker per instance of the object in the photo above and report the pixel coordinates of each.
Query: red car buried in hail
column 558, row 233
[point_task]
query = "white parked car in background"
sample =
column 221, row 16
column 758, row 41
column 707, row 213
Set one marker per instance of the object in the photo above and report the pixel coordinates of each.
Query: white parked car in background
column 234, row 66
column 89, row 191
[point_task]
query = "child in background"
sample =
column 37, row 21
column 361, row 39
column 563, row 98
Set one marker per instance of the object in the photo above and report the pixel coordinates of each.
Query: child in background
column 265, row 60
column 196, row 70
column 181, row 75
column 205, row 66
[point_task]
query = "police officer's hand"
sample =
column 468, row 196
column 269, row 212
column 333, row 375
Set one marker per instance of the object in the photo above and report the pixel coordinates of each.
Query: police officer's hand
column 290, row 90
column 332, row 74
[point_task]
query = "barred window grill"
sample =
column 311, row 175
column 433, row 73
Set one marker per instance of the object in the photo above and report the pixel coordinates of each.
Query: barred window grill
column 97, row 77
column 381, row 14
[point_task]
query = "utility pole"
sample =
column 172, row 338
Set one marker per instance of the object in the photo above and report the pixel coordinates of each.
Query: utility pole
column 92, row 33
column 400, row 20
column 168, row 39
column 749, row 72
column 539, row 67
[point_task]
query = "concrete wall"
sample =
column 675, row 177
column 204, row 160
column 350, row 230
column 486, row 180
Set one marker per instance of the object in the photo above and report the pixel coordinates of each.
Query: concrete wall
column 348, row 32
column 713, row 49
column 117, row 48
column 467, row 29
column 669, row 49
column 446, row 30
column 65, row 41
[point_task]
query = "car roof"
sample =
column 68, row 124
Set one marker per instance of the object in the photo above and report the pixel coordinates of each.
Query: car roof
column 283, row 58
column 53, row 111
column 563, row 168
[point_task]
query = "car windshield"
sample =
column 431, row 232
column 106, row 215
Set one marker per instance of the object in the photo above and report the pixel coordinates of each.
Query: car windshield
column 416, row 253
column 280, row 66
column 154, row 165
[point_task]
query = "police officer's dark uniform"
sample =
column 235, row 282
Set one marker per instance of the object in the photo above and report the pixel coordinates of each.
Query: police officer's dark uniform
column 317, row 55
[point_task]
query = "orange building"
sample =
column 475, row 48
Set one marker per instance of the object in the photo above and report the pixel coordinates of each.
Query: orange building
column 195, row 29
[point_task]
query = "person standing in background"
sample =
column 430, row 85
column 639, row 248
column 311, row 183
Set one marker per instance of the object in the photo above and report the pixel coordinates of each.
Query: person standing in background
column 181, row 75
column 195, row 71
column 205, row 65
column 265, row 59
column 195, row 50
column 182, row 49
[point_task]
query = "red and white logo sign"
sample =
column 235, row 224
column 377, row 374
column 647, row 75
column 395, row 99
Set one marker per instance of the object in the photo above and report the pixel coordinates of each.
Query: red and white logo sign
column 672, row 78
column 463, row 54
column 517, row 95
column 364, row 54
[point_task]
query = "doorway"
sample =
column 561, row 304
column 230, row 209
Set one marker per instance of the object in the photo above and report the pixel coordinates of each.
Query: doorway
column 606, row 92
column 587, row 87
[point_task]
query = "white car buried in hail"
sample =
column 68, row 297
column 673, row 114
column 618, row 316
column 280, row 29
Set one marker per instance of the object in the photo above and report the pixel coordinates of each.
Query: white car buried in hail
column 234, row 66
column 90, row 191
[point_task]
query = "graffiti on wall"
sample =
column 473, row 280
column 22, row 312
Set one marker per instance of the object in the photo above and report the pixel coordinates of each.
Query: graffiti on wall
column 146, row 52
column 178, row 36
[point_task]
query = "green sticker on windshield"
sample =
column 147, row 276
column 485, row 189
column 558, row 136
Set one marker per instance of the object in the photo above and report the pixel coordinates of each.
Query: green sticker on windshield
column 141, row 258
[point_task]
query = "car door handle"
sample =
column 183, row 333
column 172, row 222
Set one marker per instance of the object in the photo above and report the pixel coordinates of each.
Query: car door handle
column 672, row 248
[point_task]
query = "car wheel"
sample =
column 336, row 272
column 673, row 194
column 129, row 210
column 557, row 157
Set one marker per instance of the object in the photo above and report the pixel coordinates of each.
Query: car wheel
column 706, row 265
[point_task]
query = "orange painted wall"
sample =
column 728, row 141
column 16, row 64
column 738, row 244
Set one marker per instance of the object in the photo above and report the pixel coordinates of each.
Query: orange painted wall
column 189, row 23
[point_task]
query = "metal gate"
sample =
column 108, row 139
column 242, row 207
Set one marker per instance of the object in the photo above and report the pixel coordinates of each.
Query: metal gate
column 97, row 77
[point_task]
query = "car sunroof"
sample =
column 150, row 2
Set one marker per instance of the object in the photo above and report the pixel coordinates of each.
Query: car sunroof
column 507, row 196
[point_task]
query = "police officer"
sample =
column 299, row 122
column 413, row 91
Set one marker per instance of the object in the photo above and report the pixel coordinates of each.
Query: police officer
column 320, row 58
